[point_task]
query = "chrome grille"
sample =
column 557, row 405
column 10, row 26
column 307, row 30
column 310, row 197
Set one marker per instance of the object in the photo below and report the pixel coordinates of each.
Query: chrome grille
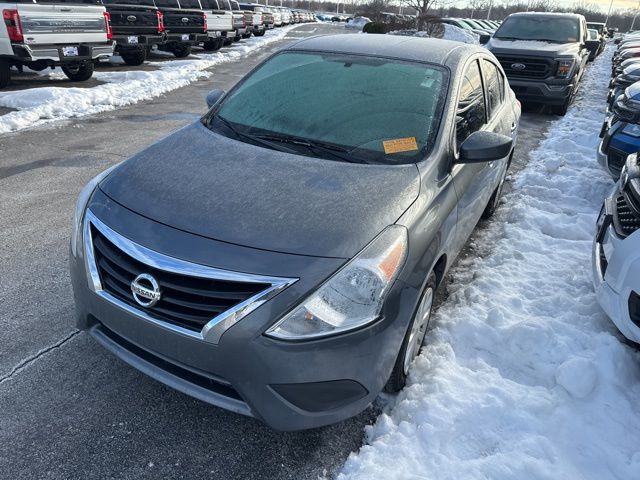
column 195, row 300
column 625, row 219
column 534, row 67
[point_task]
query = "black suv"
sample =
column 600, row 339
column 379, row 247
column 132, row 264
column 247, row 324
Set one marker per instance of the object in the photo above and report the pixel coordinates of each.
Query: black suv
column 544, row 56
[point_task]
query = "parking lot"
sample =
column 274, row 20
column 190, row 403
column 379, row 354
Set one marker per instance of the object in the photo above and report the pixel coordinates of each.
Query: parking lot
column 70, row 409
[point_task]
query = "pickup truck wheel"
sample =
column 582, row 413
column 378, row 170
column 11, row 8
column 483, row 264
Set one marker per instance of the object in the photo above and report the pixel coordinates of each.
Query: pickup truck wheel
column 181, row 50
column 212, row 45
column 80, row 72
column 227, row 41
column 5, row 73
column 413, row 338
column 564, row 108
column 237, row 38
column 260, row 34
column 134, row 57
column 247, row 35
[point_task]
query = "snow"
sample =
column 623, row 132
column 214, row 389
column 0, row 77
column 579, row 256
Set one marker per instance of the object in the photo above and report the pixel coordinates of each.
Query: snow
column 357, row 23
column 525, row 44
column 443, row 31
column 39, row 105
column 523, row 376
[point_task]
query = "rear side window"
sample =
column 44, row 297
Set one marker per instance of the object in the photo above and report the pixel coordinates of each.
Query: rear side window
column 472, row 113
column 224, row 4
column 235, row 6
column 494, row 86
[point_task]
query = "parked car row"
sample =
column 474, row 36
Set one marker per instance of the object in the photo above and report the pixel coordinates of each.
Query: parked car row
column 620, row 134
column 473, row 25
column 76, row 35
column 616, row 247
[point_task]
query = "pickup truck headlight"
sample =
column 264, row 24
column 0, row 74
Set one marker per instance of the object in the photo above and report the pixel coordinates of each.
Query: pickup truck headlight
column 352, row 297
column 565, row 67
column 632, row 129
column 81, row 204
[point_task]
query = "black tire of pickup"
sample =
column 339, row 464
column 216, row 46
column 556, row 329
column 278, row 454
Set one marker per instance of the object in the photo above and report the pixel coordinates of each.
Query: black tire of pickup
column 181, row 50
column 247, row 35
column 134, row 57
column 260, row 34
column 79, row 73
column 213, row 45
column 5, row 73
column 237, row 38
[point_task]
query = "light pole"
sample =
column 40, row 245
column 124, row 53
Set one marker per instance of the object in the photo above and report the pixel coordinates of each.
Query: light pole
column 489, row 11
column 609, row 12
column 635, row 17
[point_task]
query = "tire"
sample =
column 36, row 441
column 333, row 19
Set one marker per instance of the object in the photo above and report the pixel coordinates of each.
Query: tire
column 79, row 73
column 564, row 108
column 494, row 202
column 246, row 35
column 237, row 38
column 5, row 73
column 413, row 338
column 212, row 45
column 227, row 41
column 260, row 34
column 181, row 50
column 134, row 57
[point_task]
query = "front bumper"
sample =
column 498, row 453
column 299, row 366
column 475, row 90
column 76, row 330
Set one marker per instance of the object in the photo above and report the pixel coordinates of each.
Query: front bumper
column 54, row 53
column 288, row 385
column 616, row 274
column 541, row 92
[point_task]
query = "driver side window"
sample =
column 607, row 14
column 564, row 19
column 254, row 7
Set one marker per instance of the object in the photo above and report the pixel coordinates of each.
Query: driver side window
column 471, row 114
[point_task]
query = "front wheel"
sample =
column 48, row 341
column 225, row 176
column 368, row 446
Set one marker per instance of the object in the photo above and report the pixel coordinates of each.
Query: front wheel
column 5, row 73
column 80, row 72
column 413, row 338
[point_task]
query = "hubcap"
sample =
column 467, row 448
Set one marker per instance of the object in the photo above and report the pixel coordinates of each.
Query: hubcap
column 419, row 329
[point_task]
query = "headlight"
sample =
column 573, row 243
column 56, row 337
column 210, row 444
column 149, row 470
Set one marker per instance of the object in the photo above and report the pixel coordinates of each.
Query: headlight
column 351, row 298
column 632, row 129
column 78, row 215
column 564, row 68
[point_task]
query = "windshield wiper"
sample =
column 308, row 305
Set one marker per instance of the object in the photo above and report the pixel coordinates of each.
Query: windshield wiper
column 313, row 145
column 252, row 138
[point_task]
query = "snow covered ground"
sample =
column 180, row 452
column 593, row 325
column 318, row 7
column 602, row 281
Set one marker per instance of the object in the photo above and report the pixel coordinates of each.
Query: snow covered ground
column 523, row 376
column 38, row 105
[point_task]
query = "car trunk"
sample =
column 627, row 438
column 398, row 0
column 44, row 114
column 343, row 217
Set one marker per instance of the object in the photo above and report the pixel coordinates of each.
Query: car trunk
column 56, row 23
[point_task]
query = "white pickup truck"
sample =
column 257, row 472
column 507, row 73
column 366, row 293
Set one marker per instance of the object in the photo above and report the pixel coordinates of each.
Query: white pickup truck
column 219, row 23
column 45, row 33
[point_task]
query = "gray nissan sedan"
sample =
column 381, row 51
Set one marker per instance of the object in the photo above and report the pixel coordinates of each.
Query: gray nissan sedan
column 279, row 257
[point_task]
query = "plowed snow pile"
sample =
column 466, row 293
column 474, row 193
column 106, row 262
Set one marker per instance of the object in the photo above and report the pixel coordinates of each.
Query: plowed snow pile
column 523, row 377
column 39, row 105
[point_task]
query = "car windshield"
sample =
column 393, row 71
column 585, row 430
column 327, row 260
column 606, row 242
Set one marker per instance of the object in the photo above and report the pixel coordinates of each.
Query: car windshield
column 340, row 107
column 545, row 28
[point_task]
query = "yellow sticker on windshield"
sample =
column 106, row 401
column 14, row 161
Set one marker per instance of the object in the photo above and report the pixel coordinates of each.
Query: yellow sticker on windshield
column 399, row 145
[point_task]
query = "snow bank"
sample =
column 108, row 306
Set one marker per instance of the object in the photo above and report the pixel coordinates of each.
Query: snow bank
column 523, row 377
column 39, row 105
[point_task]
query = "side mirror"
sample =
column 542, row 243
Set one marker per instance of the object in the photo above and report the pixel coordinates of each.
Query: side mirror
column 485, row 147
column 484, row 39
column 214, row 97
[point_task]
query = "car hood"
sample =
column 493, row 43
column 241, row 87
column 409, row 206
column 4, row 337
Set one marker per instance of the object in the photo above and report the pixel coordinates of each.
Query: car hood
column 210, row 185
column 536, row 48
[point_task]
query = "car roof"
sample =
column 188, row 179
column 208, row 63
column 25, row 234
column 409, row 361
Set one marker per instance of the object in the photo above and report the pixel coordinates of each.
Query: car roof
column 431, row 50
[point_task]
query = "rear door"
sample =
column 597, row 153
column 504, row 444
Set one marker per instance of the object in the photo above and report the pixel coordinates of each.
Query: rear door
column 62, row 22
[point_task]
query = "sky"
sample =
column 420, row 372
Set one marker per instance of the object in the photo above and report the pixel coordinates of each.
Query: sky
column 602, row 4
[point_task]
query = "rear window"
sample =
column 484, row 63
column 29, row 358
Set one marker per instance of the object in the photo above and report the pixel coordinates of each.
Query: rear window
column 167, row 3
column 224, row 4
column 146, row 3
column 191, row 4
column 246, row 6
column 235, row 5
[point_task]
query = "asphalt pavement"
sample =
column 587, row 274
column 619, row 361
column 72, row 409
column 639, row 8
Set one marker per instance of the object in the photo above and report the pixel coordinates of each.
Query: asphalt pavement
column 69, row 409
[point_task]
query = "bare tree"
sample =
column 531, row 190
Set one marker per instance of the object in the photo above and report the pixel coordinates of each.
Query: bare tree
column 422, row 7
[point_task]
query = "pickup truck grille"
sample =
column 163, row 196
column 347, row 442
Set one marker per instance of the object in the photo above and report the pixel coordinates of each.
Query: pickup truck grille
column 187, row 301
column 533, row 67
column 626, row 219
